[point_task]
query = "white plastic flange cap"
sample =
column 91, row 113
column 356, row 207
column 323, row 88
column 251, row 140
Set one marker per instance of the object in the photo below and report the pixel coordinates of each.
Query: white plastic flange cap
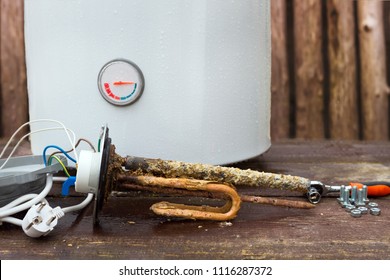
column 88, row 172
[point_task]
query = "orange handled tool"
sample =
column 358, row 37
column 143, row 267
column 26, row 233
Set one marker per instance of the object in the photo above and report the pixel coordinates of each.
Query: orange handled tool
column 317, row 189
column 374, row 188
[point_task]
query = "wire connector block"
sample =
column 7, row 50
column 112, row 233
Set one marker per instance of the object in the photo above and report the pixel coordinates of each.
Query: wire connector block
column 41, row 219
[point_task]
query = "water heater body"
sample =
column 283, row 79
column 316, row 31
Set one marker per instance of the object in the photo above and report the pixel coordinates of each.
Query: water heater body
column 174, row 79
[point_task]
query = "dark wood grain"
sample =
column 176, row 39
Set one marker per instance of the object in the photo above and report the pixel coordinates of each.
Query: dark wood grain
column 341, row 46
column 280, row 92
column 13, row 80
column 374, row 88
column 309, row 70
column 129, row 230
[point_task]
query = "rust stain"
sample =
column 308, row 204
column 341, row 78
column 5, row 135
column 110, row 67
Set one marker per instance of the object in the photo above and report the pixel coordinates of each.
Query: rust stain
column 190, row 186
column 231, row 175
column 201, row 180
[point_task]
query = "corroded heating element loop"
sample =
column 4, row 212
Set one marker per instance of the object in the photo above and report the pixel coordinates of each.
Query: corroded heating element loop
column 177, row 179
column 187, row 186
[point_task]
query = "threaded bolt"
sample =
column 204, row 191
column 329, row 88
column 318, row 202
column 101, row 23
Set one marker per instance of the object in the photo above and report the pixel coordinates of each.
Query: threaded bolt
column 345, row 202
column 342, row 191
column 360, row 201
column 365, row 194
column 353, row 195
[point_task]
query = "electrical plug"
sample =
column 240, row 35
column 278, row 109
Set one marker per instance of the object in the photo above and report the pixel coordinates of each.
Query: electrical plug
column 41, row 219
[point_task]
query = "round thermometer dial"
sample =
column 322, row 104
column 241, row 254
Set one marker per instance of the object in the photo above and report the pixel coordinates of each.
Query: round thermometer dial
column 121, row 82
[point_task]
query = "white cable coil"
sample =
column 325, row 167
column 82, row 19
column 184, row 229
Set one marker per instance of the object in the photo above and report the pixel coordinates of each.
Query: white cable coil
column 41, row 218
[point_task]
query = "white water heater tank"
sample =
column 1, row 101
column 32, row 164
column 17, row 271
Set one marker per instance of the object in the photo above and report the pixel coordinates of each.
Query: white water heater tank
column 174, row 79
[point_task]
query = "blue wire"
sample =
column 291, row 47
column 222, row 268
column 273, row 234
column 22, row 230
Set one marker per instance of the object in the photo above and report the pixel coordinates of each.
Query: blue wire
column 58, row 148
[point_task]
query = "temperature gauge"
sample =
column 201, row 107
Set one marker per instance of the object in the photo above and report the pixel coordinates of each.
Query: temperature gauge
column 121, row 82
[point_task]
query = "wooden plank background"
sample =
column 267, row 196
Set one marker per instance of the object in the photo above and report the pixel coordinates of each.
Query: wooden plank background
column 13, row 82
column 329, row 76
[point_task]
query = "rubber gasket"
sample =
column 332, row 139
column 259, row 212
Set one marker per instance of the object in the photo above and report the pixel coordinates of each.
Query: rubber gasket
column 101, row 192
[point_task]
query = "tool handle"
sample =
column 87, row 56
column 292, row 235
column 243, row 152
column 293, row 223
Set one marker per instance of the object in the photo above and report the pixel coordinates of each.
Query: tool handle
column 374, row 188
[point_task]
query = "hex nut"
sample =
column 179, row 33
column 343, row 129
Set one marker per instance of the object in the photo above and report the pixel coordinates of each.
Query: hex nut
column 373, row 205
column 375, row 211
column 363, row 210
column 356, row 213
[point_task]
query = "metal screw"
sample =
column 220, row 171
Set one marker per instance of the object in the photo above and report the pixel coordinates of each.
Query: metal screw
column 349, row 207
column 342, row 191
column 363, row 209
column 375, row 211
column 360, row 201
column 365, row 194
column 373, row 205
column 345, row 201
column 353, row 195
column 356, row 213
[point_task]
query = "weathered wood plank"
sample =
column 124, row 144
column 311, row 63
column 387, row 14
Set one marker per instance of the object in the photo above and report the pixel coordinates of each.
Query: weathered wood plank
column 259, row 232
column 13, row 81
column 280, row 110
column 343, row 105
column 374, row 89
column 309, row 72
column 129, row 230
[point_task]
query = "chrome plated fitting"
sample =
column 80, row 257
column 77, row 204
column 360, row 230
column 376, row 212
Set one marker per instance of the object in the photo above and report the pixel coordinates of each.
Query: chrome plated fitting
column 375, row 211
column 363, row 209
column 356, row 213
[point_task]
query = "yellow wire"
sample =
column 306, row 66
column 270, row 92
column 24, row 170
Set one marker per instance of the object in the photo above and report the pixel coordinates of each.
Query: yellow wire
column 62, row 164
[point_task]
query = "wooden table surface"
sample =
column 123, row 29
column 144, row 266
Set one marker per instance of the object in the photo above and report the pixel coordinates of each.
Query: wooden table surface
column 129, row 230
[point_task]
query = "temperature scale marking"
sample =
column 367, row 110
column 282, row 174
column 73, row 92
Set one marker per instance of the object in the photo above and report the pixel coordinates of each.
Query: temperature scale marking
column 116, row 97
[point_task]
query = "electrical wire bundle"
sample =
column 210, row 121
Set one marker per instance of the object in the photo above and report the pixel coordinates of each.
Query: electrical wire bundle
column 36, row 204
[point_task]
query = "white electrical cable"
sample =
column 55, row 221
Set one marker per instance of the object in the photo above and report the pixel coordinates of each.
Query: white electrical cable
column 20, row 200
column 26, row 205
column 29, row 201
column 73, row 143
column 20, row 141
column 62, row 127
column 60, row 179
column 80, row 206
column 12, row 220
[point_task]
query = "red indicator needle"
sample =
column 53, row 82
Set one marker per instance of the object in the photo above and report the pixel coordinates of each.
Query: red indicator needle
column 120, row 83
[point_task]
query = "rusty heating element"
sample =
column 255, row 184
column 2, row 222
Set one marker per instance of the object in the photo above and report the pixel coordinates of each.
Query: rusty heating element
column 176, row 179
